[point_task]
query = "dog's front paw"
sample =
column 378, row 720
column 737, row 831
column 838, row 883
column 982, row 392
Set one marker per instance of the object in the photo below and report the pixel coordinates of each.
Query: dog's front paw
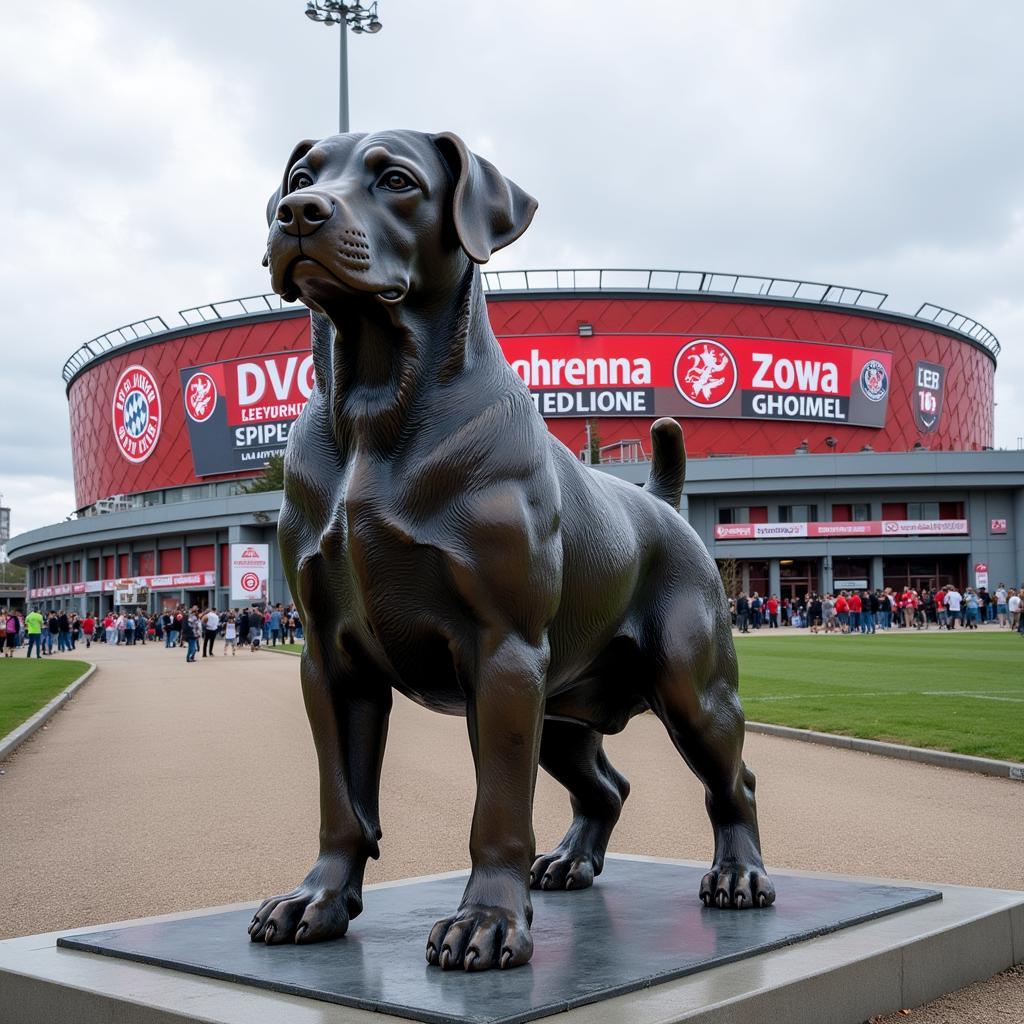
column 480, row 937
column 320, row 907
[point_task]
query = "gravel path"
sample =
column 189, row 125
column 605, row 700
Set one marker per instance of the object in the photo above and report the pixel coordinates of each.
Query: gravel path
column 164, row 786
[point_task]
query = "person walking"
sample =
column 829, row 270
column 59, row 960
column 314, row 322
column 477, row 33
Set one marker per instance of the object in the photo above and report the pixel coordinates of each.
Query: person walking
column 953, row 601
column 1013, row 603
column 9, row 636
column 230, row 635
column 743, row 613
column 211, row 624
column 34, row 632
column 842, row 608
column 275, row 625
column 972, row 605
column 88, row 628
column 772, row 608
column 63, row 632
column 190, row 627
column 242, row 623
column 1002, row 606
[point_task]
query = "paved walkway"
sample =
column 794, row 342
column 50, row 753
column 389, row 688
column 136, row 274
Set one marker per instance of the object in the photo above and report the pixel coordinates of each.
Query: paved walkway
column 164, row 786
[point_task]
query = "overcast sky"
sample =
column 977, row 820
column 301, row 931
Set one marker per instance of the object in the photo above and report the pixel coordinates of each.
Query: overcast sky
column 872, row 144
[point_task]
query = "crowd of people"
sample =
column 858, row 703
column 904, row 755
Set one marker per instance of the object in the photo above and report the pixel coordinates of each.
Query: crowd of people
column 870, row 611
column 44, row 633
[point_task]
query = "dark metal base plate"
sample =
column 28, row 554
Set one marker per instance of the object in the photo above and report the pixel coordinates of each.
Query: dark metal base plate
column 639, row 925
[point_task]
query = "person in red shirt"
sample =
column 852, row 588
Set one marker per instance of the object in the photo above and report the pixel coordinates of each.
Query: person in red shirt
column 855, row 610
column 908, row 604
column 772, row 605
column 843, row 612
column 88, row 628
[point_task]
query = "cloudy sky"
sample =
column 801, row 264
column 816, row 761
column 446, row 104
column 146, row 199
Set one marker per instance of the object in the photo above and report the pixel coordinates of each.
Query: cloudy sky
column 874, row 144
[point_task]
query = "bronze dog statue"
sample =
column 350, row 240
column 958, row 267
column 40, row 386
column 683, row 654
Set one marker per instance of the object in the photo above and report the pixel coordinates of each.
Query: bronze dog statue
column 439, row 541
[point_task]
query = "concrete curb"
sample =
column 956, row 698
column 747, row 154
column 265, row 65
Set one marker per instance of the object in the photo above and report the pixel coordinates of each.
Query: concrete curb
column 939, row 758
column 14, row 739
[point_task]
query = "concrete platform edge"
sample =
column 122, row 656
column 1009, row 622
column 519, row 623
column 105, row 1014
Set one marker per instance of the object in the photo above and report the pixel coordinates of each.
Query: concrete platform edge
column 843, row 978
column 938, row 758
column 14, row 739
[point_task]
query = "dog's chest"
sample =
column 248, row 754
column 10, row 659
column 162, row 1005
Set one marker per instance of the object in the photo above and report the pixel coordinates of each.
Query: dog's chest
column 397, row 554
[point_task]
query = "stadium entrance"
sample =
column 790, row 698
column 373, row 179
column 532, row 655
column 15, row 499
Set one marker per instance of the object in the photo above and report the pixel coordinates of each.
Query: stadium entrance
column 922, row 572
column 797, row 577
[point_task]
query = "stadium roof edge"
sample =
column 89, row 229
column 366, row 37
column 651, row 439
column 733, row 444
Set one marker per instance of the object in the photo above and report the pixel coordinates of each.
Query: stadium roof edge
column 498, row 284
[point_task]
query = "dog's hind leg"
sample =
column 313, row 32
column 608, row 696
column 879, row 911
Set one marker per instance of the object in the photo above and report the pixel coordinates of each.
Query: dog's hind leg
column 697, row 701
column 574, row 755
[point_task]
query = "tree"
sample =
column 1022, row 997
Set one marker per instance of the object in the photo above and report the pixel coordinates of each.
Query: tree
column 729, row 570
column 271, row 479
column 11, row 573
column 595, row 443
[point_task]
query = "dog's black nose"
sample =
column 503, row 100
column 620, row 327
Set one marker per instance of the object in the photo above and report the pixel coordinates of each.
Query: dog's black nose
column 302, row 213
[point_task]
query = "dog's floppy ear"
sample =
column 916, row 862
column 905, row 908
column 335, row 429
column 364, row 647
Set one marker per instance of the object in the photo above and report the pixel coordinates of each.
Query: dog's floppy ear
column 298, row 153
column 488, row 210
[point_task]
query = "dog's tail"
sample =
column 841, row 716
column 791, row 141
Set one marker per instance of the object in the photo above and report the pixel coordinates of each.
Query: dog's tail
column 668, row 461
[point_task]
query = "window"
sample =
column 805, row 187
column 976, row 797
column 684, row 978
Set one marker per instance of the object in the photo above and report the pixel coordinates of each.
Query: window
column 862, row 513
column 745, row 514
column 922, row 510
column 798, row 513
column 894, row 510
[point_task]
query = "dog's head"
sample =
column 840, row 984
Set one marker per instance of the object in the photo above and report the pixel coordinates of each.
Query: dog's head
column 390, row 217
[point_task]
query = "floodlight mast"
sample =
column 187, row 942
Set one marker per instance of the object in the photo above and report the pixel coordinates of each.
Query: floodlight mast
column 348, row 15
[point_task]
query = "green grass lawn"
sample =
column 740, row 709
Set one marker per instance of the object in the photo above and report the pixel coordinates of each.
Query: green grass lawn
column 285, row 648
column 950, row 691
column 27, row 684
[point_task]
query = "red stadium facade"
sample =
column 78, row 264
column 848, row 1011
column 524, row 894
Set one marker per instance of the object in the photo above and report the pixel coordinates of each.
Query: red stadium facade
column 833, row 444
column 747, row 375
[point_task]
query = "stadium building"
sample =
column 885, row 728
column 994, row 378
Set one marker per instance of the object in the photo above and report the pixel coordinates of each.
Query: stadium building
column 832, row 443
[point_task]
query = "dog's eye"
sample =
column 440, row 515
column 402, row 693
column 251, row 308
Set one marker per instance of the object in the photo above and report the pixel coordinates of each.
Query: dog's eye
column 395, row 181
column 301, row 179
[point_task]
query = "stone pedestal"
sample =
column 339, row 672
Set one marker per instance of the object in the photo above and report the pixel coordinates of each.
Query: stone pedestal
column 638, row 947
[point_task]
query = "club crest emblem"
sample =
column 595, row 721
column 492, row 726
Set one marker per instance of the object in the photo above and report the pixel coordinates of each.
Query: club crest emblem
column 874, row 381
column 705, row 373
column 200, row 396
column 137, row 413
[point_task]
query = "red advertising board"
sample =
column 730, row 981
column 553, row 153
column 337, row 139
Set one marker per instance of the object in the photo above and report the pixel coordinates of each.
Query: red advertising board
column 727, row 377
column 166, row 582
column 240, row 411
column 875, row 528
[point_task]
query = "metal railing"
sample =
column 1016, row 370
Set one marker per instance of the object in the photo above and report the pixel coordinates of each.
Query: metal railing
column 265, row 303
column 708, row 281
column 683, row 282
column 95, row 347
column 961, row 324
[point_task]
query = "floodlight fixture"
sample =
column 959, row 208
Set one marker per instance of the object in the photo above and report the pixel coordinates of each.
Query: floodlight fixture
column 362, row 19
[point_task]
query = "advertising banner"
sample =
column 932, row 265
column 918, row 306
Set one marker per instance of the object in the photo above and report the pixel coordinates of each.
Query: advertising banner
column 250, row 573
column 929, row 384
column 239, row 412
column 980, row 575
column 672, row 375
column 175, row 581
column 876, row 528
